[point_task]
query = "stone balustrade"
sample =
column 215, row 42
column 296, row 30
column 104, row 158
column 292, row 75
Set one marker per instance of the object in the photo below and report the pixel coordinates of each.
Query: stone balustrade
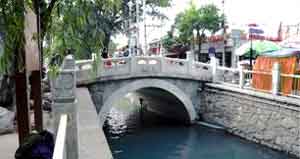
column 155, row 66
column 142, row 66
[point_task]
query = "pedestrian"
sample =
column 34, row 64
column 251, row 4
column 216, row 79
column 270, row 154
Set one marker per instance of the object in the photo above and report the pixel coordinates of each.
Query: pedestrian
column 126, row 51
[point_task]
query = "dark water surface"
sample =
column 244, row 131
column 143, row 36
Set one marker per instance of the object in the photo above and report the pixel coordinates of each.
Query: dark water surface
column 129, row 139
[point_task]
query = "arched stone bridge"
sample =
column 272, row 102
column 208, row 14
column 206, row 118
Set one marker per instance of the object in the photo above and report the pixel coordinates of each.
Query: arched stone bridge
column 169, row 85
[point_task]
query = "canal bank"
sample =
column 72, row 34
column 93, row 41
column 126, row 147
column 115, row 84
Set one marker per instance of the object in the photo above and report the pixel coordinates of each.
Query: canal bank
column 158, row 138
column 266, row 119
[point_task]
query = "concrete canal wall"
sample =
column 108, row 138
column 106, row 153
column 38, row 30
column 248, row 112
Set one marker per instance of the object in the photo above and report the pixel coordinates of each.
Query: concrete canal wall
column 270, row 120
column 91, row 138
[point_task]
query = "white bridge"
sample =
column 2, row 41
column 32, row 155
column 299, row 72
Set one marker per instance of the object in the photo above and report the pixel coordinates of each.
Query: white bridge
column 142, row 66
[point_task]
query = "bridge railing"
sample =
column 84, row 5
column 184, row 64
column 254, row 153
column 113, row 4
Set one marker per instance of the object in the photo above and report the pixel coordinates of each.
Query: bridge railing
column 228, row 75
column 295, row 80
column 142, row 66
column 114, row 66
column 242, row 78
column 199, row 68
column 175, row 66
column 146, row 64
column 60, row 143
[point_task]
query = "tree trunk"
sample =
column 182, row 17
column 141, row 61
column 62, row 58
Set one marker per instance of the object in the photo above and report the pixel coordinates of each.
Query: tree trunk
column 36, row 79
column 22, row 107
column 23, row 120
column 36, row 92
column 106, row 43
column 199, row 45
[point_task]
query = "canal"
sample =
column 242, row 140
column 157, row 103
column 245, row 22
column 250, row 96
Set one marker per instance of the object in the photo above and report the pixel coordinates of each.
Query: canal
column 151, row 137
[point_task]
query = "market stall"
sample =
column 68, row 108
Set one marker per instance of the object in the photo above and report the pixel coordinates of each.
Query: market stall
column 289, row 60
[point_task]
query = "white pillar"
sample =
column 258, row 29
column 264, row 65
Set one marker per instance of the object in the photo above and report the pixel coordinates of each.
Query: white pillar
column 133, row 65
column 214, row 64
column 94, row 56
column 242, row 78
column 64, row 102
column 190, row 59
column 190, row 56
column 276, row 79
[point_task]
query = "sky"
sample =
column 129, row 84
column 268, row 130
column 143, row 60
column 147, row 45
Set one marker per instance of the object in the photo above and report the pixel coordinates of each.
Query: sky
column 267, row 13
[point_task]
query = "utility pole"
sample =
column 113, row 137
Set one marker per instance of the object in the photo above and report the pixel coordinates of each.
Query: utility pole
column 251, row 50
column 137, row 7
column 224, row 36
column 145, row 27
column 130, row 4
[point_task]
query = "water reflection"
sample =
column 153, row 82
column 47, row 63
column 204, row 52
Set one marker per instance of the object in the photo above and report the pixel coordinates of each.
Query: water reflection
column 129, row 138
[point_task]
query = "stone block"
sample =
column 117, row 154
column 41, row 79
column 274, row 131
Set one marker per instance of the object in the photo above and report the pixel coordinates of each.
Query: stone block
column 6, row 121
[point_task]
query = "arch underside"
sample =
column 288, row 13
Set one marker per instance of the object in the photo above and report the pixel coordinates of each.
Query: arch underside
column 176, row 102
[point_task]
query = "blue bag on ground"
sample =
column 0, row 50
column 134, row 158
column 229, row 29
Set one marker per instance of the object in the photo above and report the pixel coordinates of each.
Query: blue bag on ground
column 36, row 146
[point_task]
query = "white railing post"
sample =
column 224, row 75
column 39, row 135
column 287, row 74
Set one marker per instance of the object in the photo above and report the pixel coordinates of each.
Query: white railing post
column 191, row 60
column 242, row 78
column 64, row 102
column 161, row 60
column 94, row 56
column 132, row 65
column 214, row 65
column 276, row 79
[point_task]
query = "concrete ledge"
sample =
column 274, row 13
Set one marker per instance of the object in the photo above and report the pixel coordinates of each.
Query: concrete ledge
column 204, row 78
column 269, row 97
column 91, row 139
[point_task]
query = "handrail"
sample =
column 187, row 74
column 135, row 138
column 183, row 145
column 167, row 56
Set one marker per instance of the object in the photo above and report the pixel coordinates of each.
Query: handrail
column 174, row 59
column 78, row 62
column 227, row 69
column 257, row 72
column 290, row 75
column 60, row 143
column 201, row 63
column 116, row 58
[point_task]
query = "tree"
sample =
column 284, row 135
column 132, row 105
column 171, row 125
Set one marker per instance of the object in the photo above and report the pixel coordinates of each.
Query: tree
column 114, row 15
column 12, row 61
column 206, row 19
column 75, row 27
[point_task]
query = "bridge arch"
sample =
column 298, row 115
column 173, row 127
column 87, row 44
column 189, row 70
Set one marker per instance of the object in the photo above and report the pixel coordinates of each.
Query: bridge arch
column 148, row 83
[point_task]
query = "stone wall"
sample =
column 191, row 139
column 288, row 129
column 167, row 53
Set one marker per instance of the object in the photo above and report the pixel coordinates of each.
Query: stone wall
column 270, row 120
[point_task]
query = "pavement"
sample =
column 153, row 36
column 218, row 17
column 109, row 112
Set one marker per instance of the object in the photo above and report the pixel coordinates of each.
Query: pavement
column 9, row 142
column 8, row 145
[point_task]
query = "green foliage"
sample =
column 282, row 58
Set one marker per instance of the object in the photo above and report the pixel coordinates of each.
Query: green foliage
column 114, row 15
column 169, row 41
column 83, row 26
column 205, row 19
column 75, row 28
column 53, row 71
column 12, row 29
column 95, row 65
